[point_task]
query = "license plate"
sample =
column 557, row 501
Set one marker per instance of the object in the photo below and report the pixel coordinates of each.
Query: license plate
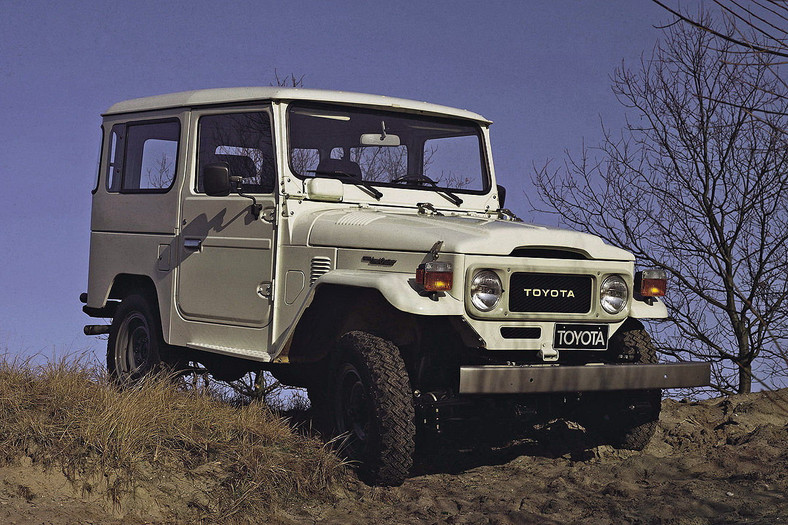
column 580, row 336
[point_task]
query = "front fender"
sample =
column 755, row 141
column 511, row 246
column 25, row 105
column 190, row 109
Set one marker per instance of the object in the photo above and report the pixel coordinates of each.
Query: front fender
column 643, row 310
column 397, row 289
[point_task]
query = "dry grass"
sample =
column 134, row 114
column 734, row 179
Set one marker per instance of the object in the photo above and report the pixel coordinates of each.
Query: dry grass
column 222, row 463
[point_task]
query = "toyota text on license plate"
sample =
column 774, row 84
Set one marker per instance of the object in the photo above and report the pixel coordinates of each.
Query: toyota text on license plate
column 580, row 336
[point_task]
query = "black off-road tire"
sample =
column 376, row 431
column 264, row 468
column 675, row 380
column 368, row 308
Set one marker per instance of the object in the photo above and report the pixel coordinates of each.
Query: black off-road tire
column 627, row 419
column 371, row 404
column 135, row 345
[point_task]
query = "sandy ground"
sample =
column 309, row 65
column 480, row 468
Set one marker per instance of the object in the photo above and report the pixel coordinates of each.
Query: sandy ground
column 720, row 461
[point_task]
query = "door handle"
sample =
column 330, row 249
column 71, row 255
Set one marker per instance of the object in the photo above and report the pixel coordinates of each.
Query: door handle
column 192, row 244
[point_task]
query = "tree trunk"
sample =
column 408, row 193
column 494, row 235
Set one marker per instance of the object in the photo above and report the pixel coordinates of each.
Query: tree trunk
column 745, row 378
column 745, row 357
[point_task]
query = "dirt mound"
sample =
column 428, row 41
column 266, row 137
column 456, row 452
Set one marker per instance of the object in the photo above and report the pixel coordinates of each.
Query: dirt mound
column 719, row 461
column 714, row 461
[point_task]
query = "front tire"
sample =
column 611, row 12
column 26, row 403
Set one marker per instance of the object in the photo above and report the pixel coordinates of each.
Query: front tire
column 135, row 342
column 371, row 403
column 627, row 419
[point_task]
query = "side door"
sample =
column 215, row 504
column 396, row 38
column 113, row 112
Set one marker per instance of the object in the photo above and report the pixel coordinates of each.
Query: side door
column 226, row 254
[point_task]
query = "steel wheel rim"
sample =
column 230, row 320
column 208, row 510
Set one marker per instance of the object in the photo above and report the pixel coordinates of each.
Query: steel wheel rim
column 353, row 408
column 133, row 347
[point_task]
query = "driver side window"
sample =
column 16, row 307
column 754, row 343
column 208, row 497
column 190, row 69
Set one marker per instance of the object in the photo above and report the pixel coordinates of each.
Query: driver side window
column 242, row 141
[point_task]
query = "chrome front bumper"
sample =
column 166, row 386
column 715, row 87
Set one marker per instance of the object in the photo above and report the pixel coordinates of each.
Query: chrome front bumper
column 505, row 379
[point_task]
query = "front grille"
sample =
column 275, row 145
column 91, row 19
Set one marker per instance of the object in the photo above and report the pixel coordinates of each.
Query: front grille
column 549, row 292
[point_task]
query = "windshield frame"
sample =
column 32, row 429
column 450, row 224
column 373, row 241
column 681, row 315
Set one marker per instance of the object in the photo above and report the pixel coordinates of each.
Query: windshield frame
column 484, row 163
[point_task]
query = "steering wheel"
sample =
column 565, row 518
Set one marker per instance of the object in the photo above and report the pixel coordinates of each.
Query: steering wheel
column 414, row 178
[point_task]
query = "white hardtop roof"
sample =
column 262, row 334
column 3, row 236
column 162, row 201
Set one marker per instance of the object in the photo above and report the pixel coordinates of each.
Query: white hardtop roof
column 204, row 97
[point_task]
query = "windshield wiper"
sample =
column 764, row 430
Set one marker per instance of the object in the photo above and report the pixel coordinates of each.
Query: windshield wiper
column 443, row 192
column 449, row 196
column 353, row 180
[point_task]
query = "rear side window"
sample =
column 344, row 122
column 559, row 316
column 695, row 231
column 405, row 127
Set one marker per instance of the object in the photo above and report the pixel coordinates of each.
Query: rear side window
column 115, row 156
column 143, row 157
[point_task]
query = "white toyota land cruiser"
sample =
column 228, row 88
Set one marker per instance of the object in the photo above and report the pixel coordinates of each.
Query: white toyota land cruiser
column 358, row 246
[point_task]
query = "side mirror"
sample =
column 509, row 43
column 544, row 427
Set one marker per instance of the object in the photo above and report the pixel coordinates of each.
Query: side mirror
column 216, row 179
column 501, row 196
column 326, row 190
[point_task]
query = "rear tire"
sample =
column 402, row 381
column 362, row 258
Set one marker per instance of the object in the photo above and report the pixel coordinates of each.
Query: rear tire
column 371, row 403
column 135, row 343
column 626, row 419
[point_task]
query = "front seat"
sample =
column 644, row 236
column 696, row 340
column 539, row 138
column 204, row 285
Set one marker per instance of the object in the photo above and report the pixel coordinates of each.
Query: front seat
column 339, row 166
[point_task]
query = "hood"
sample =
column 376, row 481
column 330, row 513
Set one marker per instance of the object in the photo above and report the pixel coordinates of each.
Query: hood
column 378, row 230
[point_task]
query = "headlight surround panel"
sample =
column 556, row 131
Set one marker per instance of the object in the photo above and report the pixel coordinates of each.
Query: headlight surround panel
column 506, row 268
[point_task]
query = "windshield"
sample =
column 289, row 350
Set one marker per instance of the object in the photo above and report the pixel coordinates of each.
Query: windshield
column 380, row 148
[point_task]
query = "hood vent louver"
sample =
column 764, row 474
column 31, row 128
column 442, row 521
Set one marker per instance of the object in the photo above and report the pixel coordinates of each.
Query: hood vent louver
column 320, row 266
column 548, row 253
column 359, row 218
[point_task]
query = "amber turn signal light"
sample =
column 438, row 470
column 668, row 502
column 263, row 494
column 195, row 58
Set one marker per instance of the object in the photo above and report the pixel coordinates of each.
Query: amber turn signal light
column 435, row 276
column 653, row 283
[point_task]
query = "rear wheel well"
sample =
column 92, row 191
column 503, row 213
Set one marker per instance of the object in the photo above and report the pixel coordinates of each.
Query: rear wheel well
column 126, row 284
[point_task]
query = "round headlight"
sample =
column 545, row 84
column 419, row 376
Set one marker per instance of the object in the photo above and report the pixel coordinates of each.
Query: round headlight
column 613, row 294
column 486, row 290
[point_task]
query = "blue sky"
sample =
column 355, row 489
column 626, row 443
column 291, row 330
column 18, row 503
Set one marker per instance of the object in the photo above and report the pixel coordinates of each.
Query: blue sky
column 540, row 70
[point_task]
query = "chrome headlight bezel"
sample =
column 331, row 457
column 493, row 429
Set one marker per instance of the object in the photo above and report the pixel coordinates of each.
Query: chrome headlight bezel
column 486, row 290
column 613, row 294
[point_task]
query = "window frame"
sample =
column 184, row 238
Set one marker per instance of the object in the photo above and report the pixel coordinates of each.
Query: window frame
column 123, row 142
column 97, row 182
column 484, row 164
column 220, row 111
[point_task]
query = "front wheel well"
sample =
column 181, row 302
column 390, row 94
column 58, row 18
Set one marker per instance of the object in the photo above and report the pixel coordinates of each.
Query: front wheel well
column 337, row 310
column 429, row 345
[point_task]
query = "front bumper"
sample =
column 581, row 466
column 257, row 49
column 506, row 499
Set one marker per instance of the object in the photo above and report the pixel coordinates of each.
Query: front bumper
column 531, row 379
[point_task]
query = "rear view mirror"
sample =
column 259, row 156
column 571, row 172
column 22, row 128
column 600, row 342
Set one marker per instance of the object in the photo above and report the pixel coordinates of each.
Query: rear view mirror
column 216, row 179
column 379, row 139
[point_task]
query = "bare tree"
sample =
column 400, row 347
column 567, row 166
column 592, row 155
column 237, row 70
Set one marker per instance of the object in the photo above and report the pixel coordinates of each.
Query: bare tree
column 696, row 185
column 759, row 26
column 162, row 174
column 288, row 80
column 380, row 163
column 258, row 386
column 755, row 31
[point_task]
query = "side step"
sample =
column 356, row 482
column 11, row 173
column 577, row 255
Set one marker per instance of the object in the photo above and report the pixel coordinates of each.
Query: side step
column 245, row 353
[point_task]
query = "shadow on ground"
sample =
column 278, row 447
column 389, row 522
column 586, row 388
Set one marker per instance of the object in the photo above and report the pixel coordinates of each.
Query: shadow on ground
column 464, row 445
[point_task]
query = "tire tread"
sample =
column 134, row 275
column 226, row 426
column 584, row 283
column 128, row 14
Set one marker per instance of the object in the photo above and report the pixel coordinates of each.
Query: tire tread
column 390, row 390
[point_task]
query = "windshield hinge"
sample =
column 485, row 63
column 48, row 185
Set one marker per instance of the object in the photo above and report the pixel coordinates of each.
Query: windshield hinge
column 507, row 215
column 434, row 251
column 424, row 207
